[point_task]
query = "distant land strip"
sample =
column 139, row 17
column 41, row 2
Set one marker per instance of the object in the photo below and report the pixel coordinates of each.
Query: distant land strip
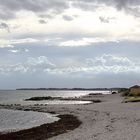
column 68, row 88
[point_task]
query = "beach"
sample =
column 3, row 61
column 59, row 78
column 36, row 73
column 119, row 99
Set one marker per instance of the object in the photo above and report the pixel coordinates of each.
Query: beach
column 108, row 120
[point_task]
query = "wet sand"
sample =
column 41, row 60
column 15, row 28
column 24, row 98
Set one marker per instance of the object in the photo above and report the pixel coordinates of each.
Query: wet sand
column 108, row 120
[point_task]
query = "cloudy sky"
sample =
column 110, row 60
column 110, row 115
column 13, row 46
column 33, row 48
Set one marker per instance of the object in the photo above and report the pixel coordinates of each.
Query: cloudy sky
column 69, row 43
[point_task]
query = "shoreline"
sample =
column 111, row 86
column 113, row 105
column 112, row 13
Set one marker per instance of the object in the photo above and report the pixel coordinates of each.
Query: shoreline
column 109, row 120
column 66, row 123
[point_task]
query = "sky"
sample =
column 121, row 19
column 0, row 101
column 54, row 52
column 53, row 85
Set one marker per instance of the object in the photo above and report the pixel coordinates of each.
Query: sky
column 69, row 43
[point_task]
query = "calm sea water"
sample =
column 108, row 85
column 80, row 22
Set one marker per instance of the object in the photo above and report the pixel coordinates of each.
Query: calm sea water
column 18, row 96
column 14, row 120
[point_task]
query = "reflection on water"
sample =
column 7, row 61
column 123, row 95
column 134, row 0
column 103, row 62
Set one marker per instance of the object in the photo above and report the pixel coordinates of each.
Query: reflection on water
column 18, row 96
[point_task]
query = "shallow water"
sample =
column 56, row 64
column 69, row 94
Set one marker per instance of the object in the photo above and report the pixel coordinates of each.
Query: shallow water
column 18, row 96
column 11, row 120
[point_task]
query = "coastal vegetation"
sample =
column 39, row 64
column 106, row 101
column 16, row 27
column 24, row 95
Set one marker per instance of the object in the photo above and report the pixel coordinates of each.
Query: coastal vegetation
column 132, row 94
column 131, row 99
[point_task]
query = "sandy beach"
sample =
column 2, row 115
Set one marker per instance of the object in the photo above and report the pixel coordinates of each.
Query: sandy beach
column 109, row 120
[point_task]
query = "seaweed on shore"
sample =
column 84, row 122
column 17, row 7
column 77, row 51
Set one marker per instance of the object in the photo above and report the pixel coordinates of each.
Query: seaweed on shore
column 62, row 99
column 42, row 98
column 66, row 123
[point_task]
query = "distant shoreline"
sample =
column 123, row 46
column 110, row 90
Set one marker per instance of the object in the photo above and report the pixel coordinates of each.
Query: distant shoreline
column 69, row 89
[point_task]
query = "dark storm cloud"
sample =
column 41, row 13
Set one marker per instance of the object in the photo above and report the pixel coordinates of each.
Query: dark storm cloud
column 33, row 5
column 48, row 16
column 68, row 18
column 104, row 20
column 37, row 6
column 130, row 6
column 118, row 3
column 6, row 14
column 41, row 21
column 8, row 8
column 4, row 26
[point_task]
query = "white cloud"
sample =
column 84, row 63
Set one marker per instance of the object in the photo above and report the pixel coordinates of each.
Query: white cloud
column 25, row 40
column 106, row 63
column 46, row 27
column 14, row 51
column 10, row 43
column 74, row 43
column 40, row 61
column 110, row 60
column 86, row 41
column 20, row 50
column 31, row 65
column 114, row 64
column 5, row 45
column 7, row 69
column 87, row 23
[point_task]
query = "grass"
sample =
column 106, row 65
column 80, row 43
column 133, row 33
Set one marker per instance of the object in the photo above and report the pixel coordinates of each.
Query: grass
column 134, row 94
column 131, row 99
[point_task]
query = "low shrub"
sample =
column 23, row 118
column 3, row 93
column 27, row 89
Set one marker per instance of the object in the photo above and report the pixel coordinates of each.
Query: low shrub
column 134, row 94
column 125, row 93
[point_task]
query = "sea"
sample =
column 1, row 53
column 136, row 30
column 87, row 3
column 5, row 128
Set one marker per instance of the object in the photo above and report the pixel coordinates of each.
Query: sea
column 15, row 120
column 19, row 96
